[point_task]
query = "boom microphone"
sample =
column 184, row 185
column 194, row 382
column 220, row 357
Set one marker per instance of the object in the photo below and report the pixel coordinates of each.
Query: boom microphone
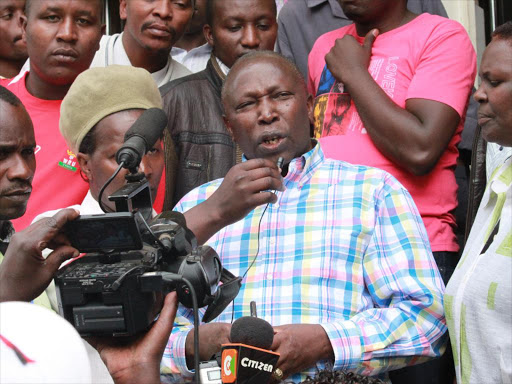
column 247, row 360
column 141, row 137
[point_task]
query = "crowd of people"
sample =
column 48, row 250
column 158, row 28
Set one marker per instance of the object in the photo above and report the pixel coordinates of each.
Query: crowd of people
column 346, row 247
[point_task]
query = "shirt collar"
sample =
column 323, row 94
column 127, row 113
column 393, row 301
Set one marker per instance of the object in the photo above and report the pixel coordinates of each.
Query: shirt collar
column 301, row 168
column 335, row 6
column 223, row 67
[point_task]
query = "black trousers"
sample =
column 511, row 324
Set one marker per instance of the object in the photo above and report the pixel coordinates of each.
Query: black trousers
column 440, row 370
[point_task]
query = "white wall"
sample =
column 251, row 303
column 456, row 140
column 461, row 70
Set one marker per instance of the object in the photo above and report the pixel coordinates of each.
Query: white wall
column 471, row 16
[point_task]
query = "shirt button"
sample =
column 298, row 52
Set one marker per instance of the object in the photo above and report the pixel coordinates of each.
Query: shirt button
column 269, row 276
column 272, row 241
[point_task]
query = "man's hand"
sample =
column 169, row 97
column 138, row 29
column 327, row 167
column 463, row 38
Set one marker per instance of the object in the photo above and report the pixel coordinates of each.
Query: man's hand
column 300, row 347
column 25, row 273
column 246, row 186
column 211, row 337
column 138, row 360
column 348, row 56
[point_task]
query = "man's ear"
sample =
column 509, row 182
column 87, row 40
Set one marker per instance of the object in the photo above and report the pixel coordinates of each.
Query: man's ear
column 122, row 9
column 228, row 127
column 208, row 35
column 85, row 165
column 310, row 105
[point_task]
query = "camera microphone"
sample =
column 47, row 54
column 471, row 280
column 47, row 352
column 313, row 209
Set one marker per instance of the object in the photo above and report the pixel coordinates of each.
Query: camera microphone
column 141, row 137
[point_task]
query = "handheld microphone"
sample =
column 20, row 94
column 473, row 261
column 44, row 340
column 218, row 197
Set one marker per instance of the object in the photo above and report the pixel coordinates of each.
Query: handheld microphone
column 141, row 137
column 247, row 360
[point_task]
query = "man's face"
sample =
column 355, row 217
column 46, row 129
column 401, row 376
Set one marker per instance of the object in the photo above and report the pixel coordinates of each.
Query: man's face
column 12, row 46
column 240, row 26
column 62, row 37
column 156, row 25
column 367, row 12
column 495, row 93
column 17, row 160
column 101, row 164
column 268, row 111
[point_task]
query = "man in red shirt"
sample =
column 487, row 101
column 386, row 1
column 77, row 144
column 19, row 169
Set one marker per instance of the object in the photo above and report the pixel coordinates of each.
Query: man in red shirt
column 62, row 38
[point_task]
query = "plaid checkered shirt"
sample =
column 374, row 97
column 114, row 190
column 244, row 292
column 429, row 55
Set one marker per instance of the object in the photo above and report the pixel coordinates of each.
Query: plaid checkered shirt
column 343, row 247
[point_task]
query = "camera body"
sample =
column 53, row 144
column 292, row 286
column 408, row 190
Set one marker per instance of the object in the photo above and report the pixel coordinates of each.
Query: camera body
column 118, row 295
column 117, row 287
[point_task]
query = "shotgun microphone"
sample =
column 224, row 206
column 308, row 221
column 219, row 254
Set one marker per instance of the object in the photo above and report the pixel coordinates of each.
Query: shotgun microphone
column 141, row 137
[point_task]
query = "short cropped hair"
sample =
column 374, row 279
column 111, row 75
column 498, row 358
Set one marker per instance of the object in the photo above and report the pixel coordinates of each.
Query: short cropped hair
column 503, row 32
column 262, row 56
column 9, row 97
column 210, row 13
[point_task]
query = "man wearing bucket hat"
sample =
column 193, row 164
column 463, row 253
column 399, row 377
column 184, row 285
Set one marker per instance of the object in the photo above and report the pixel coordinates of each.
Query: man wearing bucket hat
column 101, row 105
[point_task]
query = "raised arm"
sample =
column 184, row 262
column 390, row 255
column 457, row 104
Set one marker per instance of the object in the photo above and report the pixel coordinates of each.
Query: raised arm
column 416, row 136
column 246, row 186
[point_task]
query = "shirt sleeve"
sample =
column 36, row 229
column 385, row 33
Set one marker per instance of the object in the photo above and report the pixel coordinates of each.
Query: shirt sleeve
column 407, row 322
column 446, row 69
column 174, row 360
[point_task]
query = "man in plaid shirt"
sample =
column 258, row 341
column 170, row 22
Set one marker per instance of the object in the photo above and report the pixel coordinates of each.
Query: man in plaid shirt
column 335, row 255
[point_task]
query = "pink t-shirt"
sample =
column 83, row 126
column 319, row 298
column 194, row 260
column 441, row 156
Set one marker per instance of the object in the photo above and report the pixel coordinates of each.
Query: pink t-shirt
column 57, row 182
column 430, row 57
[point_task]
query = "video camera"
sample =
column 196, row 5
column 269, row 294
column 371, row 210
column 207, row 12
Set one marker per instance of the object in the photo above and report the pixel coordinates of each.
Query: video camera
column 132, row 260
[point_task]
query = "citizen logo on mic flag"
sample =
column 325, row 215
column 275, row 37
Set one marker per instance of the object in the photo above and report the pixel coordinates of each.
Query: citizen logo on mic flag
column 244, row 364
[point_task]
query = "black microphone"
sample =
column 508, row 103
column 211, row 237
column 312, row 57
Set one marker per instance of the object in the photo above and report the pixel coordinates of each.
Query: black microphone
column 247, row 359
column 252, row 331
column 141, row 137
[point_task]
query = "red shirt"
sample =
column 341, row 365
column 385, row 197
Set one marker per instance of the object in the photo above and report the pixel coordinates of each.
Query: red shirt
column 57, row 182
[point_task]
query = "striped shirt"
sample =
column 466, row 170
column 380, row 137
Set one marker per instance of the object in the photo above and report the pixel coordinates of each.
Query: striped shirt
column 343, row 247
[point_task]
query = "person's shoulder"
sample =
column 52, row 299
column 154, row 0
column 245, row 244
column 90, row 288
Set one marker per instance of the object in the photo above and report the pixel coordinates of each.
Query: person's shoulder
column 438, row 24
column 327, row 40
column 198, row 195
column 292, row 11
column 188, row 83
column 178, row 70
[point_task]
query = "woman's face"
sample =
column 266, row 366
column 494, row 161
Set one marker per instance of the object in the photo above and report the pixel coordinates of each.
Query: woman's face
column 495, row 93
column 101, row 164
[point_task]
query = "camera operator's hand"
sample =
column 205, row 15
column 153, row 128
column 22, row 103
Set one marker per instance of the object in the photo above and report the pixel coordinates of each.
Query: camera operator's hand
column 24, row 272
column 211, row 337
column 137, row 360
column 246, row 186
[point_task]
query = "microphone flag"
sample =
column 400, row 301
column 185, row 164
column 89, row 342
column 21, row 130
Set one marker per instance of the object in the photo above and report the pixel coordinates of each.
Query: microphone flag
column 245, row 364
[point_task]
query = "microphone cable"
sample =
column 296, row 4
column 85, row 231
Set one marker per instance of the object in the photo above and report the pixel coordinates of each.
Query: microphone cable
column 106, row 184
column 280, row 162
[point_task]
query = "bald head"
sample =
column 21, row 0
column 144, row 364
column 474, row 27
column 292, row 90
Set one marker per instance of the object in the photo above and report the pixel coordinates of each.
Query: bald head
column 267, row 108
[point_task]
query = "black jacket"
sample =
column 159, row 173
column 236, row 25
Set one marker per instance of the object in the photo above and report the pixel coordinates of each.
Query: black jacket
column 477, row 179
column 204, row 148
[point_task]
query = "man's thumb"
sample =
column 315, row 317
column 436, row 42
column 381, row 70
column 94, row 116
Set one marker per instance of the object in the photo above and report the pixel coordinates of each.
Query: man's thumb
column 369, row 39
column 60, row 255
